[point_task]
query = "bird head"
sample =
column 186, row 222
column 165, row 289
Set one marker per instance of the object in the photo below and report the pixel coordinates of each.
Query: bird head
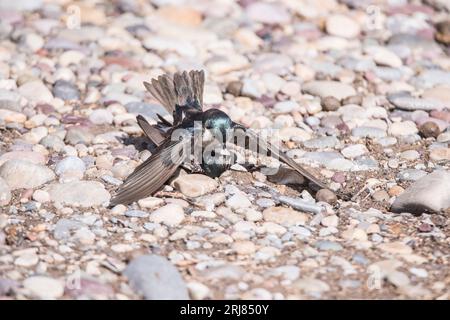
column 216, row 125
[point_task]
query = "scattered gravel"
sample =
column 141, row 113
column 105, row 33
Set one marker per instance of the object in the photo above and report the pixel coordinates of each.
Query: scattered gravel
column 364, row 106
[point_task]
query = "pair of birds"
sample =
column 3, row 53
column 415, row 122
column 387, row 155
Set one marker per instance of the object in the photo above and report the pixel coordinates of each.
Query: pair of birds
column 182, row 95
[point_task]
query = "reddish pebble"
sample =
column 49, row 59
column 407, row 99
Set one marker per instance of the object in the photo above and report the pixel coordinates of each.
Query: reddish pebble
column 338, row 177
column 425, row 227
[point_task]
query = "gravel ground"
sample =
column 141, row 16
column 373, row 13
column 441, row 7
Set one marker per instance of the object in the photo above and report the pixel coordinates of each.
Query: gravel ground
column 360, row 94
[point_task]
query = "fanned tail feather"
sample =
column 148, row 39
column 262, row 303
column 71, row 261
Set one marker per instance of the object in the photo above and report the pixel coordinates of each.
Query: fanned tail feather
column 183, row 89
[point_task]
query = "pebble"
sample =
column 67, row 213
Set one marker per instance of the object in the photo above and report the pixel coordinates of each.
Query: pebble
column 395, row 248
column 326, row 245
column 368, row 132
column 27, row 260
column 380, row 196
column 354, row 151
column 78, row 134
column 321, row 143
column 429, row 193
column 325, row 89
column 440, row 154
column 238, row 201
column 35, row 91
column 66, row 90
column 330, row 103
column 156, row 278
column 429, row 129
column 72, row 166
column 284, row 216
column 312, row 286
column 330, row 221
column 101, row 116
column 43, row 287
column 150, row 202
column 198, row 291
column 21, row 174
column 410, row 175
column 79, row 193
column 326, row 195
column 195, row 185
column 403, row 128
column 171, row 215
column 410, row 155
column 267, row 13
column 244, row 247
column 5, row 193
column 342, row 26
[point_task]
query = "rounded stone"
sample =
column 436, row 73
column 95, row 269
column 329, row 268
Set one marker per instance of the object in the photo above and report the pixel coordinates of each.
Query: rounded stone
column 395, row 191
column 195, row 185
column 79, row 193
column 325, row 89
column 342, row 26
column 284, row 216
column 330, row 103
column 20, row 174
column 429, row 129
column 326, row 195
column 44, row 287
column 171, row 215
column 380, row 196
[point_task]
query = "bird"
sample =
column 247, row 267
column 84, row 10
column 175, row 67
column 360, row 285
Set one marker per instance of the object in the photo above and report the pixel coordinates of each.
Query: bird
column 206, row 131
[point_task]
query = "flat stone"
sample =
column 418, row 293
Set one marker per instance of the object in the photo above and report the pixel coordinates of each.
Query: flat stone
column 395, row 248
column 66, row 90
column 156, row 278
column 342, row 26
column 328, row 245
column 403, row 128
column 237, row 201
column 321, row 142
column 44, row 287
column 311, row 285
column 171, row 215
column 284, row 216
column 79, row 193
column 325, row 89
column 368, row 132
column 5, row 193
column 412, row 103
column 70, row 166
column 268, row 13
column 430, row 193
column 440, row 154
column 20, row 174
column 354, row 151
column 195, row 185
column 36, row 91
column 438, row 93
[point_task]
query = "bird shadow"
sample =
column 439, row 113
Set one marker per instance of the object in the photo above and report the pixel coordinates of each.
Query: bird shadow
column 140, row 143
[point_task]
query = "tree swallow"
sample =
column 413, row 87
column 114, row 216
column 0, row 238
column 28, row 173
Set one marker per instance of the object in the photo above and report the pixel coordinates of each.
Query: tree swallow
column 194, row 136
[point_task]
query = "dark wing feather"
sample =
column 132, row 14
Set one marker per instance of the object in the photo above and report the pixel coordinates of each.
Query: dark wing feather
column 278, row 154
column 149, row 176
column 152, row 132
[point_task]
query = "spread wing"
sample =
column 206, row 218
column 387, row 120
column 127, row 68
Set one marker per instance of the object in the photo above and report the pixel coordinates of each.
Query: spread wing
column 268, row 148
column 149, row 176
